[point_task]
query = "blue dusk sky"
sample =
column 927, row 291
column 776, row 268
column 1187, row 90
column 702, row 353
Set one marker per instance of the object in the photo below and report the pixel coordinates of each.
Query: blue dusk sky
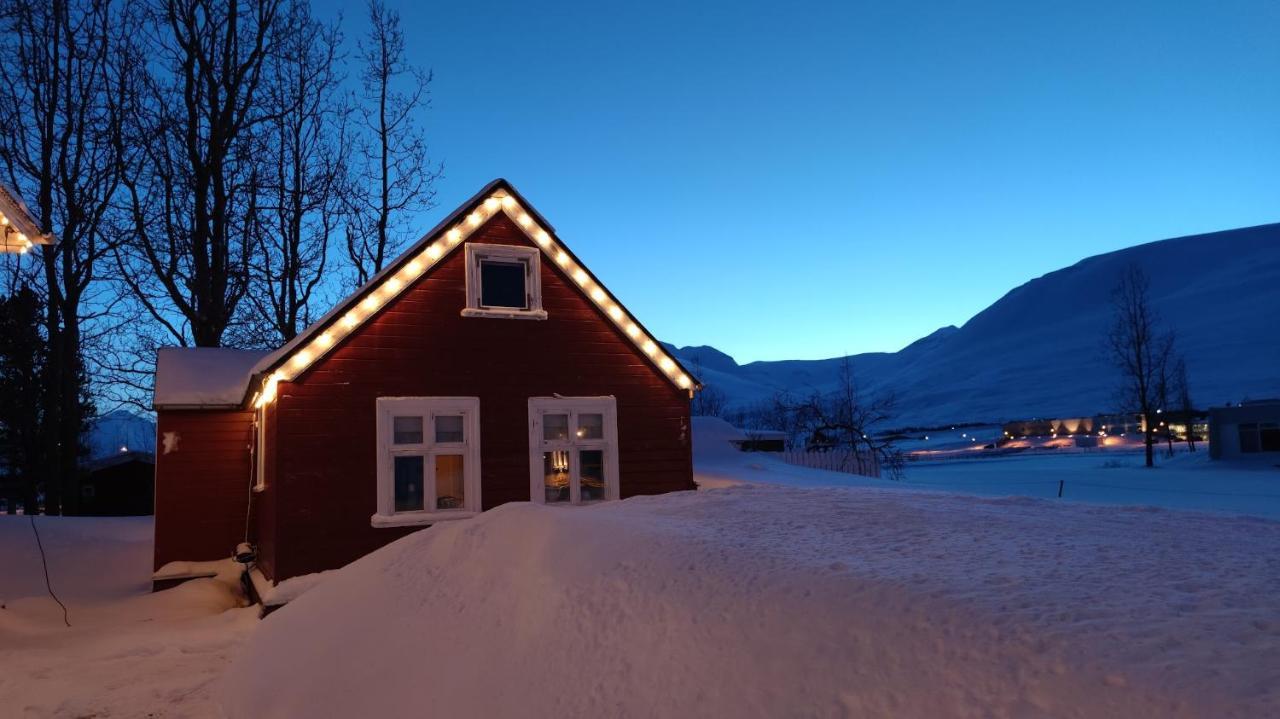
column 794, row 180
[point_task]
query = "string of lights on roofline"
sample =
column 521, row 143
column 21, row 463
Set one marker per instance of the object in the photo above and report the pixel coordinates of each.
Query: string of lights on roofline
column 391, row 286
column 24, row 242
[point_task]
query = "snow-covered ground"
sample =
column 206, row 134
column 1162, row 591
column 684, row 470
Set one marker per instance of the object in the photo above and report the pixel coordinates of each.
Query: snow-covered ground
column 128, row 653
column 1185, row 481
column 776, row 590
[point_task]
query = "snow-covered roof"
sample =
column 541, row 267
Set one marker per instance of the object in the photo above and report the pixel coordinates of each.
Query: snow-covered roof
column 203, row 377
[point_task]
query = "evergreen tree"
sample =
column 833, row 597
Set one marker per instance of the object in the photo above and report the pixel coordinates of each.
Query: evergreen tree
column 24, row 353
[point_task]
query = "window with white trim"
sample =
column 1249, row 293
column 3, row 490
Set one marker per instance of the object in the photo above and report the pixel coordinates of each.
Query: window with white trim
column 428, row 459
column 573, row 449
column 504, row 281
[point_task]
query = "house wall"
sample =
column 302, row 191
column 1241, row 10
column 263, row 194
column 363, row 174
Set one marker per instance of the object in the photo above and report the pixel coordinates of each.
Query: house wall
column 265, row 502
column 421, row 346
column 202, row 483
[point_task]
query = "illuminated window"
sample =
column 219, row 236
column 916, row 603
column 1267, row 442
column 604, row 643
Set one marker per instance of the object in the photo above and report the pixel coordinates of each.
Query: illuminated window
column 428, row 459
column 573, row 445
column 503, row 281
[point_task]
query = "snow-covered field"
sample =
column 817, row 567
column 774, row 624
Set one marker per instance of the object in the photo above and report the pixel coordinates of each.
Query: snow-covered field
column 776, row 590
column 128, row 653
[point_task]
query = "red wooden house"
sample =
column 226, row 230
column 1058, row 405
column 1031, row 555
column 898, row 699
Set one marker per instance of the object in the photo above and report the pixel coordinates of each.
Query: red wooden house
column 485, row 365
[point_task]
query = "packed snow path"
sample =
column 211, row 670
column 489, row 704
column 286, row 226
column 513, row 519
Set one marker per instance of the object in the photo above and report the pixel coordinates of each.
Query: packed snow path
column 776, row 601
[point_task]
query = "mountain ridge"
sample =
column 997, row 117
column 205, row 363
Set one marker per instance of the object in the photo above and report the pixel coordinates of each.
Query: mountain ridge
column 1037, row 350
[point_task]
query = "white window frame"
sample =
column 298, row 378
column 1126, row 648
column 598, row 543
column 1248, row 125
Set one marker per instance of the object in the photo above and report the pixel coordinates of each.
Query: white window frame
column 573, row 406
column 530, row 257
column 427, row 407
column 260, row 449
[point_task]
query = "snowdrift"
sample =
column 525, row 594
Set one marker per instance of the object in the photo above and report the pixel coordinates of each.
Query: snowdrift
column 777, row 601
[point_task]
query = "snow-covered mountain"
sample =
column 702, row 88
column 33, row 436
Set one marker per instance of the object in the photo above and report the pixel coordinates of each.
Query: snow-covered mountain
column 1038, row 350
column 120, row 430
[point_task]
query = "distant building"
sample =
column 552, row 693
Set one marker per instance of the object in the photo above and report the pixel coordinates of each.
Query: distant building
column 120, row 485
column 1244, row 430
column 19, row 231
column 762, row 440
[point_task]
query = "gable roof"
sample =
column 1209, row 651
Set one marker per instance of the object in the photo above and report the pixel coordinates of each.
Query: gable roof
column 300, row 353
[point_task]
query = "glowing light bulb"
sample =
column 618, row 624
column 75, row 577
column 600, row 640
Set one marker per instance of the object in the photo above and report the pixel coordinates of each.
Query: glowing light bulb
column 414, row 267
column 684, row 381
column 633, row 330
column 615, row 312
column 579, row 276
column 325, row 339
column 474, row 219
column 524, row 220
column 491, row 204
column 650, row 347
column 597, row 294
column 301, row 359
column 666, row 364
column 508, row 202
column 455, row 235
column 394, row 284
column 562, row 258
column 350, row 320
column 434, row 252
column 543, row 238
column 4, row 220
column 370, row 302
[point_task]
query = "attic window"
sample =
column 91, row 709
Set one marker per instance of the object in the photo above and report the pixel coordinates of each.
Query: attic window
column 503, row 281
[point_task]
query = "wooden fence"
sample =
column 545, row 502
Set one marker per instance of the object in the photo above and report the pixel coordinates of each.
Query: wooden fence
column 865, row 464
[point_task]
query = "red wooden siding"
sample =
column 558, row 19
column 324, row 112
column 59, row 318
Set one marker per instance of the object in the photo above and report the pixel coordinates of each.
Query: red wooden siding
column 202, row 485
column 325, row 465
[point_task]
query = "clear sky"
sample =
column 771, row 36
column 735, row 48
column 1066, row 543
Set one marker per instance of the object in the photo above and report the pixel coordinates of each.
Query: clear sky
column 792, row 180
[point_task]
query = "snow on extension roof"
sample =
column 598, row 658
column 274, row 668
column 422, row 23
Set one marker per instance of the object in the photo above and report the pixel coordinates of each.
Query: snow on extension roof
column 202, row 377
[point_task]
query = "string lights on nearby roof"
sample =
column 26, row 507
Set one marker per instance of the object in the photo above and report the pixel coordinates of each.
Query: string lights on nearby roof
column 379, row 294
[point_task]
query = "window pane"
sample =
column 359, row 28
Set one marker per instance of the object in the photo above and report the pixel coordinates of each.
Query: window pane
column 555, row 426
column 1269, row 435
column 591, row 470
column 502, row 284
column 555, row 471
column 590, row 426
column 449, row 428
column 1249, row 438
column 406, row 430
column 450, row 490
column 408, row 472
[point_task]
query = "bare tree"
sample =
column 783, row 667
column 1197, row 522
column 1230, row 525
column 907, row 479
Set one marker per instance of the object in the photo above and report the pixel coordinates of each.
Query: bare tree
column 395, row 175
column 1182, row 397
column 303, row 174
column 68, row 87
column 193, row 181
column 710, row 401
column 844, row 420
column 1141, row 351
